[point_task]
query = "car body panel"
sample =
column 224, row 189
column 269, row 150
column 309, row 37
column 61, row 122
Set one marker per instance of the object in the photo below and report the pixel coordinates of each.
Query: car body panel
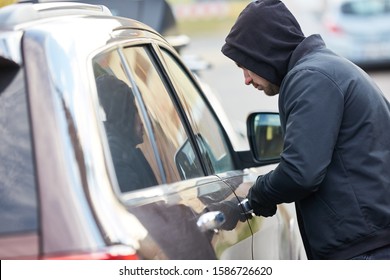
column 175, row 214
column 264, row 229
column 23, row 246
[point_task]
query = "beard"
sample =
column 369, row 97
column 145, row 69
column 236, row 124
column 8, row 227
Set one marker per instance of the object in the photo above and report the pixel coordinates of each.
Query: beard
column 272, row 90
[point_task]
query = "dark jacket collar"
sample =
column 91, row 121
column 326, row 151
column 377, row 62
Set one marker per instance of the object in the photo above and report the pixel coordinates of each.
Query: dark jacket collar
column 307, row 46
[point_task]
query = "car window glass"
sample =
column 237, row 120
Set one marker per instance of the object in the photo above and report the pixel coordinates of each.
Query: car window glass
column 176, row 152
column 366, row 7
column 210, row 137
column 18, row 194
column 130, row 145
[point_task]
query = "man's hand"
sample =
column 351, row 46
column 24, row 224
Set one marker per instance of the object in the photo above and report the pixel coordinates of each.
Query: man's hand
column 259, row 209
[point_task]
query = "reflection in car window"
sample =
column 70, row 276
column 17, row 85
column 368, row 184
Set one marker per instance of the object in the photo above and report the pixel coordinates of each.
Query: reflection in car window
column 210, row 137
column 132, row 155
column 177, row 155
column 18, row 194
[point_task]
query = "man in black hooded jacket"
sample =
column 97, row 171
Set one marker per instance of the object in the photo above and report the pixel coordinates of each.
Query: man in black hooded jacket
column 335, row 163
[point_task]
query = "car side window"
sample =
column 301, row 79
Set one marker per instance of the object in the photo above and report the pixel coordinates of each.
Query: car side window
column 179, row 159
column 210, row 137
column 148, row 142
column 18, row 191
column 130, row 143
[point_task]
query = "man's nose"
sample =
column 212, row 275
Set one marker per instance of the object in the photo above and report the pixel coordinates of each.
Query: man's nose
column 247, row 78
column 248, row 81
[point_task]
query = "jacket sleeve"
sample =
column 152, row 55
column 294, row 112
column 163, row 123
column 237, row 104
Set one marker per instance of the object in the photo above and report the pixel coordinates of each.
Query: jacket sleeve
column 311, row 106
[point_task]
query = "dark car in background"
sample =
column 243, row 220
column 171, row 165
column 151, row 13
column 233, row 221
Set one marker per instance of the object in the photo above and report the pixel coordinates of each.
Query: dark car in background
column 110, row 149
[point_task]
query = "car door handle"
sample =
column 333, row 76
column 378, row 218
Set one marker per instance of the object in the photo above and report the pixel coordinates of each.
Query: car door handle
column 246, row 207
column 211, row 221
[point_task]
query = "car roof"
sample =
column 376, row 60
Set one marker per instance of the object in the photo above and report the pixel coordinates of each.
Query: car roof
column 158, row 14
column 21, row 15
column 66, row 22
column 17, row 14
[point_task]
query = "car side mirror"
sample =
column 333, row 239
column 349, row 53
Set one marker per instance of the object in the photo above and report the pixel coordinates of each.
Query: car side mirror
column 187, row 162
column 265, row 136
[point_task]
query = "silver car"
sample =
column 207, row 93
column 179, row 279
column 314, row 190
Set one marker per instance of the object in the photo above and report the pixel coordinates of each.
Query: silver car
column 109, row 148
column 358, row 30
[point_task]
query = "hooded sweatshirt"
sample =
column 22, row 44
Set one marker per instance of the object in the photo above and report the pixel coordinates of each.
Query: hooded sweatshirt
column 336, row 156
column 264, row 47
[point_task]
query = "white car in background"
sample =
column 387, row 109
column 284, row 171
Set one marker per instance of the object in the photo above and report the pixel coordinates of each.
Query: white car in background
column 358, row 30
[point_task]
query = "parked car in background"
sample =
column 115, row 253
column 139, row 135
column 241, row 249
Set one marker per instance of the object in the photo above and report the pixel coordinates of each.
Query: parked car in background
column 111, row 150
column 358, row 30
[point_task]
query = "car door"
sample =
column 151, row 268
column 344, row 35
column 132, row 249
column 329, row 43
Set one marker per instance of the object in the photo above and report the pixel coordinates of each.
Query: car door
column 187, row 212
column 273, row 237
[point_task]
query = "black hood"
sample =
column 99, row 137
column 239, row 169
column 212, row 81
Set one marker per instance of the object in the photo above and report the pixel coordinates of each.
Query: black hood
column 263, row 39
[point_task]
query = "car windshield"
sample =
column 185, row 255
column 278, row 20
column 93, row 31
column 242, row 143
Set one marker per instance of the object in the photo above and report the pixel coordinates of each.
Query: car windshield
column 366, row 8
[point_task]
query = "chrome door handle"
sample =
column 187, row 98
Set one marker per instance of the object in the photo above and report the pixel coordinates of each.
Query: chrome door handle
column 246, row 207
column 211, row 221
